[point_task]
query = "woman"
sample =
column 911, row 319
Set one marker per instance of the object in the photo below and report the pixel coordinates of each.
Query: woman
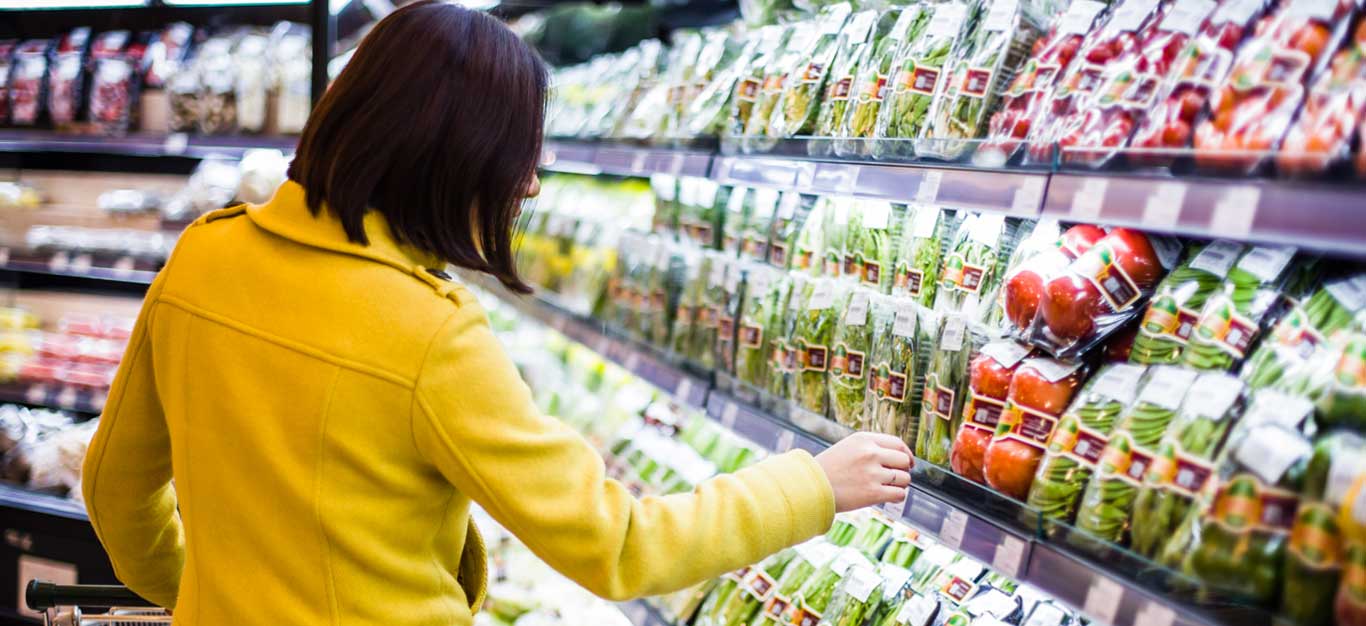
column 329, row 403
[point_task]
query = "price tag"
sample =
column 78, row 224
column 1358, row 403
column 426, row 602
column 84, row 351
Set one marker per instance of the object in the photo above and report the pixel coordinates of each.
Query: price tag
column 176, row 143
column 1089, row 199
column 81, row 263
column 1236, row 211
column 917, row 610
column 4, row 256
column 952, row 528
column 784, row 442
column 124, row 267
column 928, row 191
column 729, row 414
column 67, row 397
column 1154, row 614
column 1102, row 600
column 632, row 360
column 684, row 389
column 896, row 509
column 60, row 261
column 1163, row 208
column 36, row 394
column 638, row 162
column 1029, row 196
column 1009, row 556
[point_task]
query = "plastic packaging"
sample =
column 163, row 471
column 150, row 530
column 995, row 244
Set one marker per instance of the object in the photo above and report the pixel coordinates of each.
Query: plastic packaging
column 917, row 256
column 894, row 377
column 971, row 271
column 28, row 83
column 873, row 243
column 1176, row 305
column 66, row 78
column 788, row 221
column 783, row 357
column 811, row 340
column 803, row 91
column 755, row 232
column 856, row 41
column 114, row 81
column 751, row 81
column 1343, row 402
column 1251, row 296
column 708, row 112
column 851, row 345
column 989, row 376
column 1322, row 134
column 1313, row 558
column 870, row 88
column 1336, row 307
column 764, row 289
column 785, row 67
column 941, row 402
column 1024, row 283
column 1040, row 391
column 916, row 82
column 857, row 597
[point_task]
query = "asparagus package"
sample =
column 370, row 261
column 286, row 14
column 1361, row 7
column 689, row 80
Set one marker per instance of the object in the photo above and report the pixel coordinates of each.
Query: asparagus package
column 785, row 67
column 859, row 125
column 1079, row 439
column 801, row 100
column 1184, row 461
column 1176, row 305
column 788, row 221
column 750, row 86
column 860, row 35
column 740, row 590
column 894, row 376
column 989, row 376
column 1338, row 306
column 812, row 340
column 764, row 289
column 849, row 360
column 1109, row 495
column 1251, row 296
column 1040, row 391
column 916, row 82
column 941, row 401
column 1313, row 558
column 917, row 256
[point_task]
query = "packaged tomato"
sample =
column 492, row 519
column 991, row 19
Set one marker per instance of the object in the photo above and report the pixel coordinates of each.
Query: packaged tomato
column 1257, row 101
column 1024, row 284
column 989, row 376
column 1116, row 40
column 1100, row 291
column 66, row 78
column 1200, row 68
column 1029, row 91
column 26, row 82
column 1039, row 392
column 1335, row 106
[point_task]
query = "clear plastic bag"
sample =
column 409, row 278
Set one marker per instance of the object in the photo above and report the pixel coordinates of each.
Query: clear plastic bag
column 849, row 360
column 870, row 87
column 989, row 376
column 1040, row 391
column 1175, row 306
column 917, row 80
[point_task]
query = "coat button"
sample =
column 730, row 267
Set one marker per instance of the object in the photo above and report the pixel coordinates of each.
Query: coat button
column 438, row 273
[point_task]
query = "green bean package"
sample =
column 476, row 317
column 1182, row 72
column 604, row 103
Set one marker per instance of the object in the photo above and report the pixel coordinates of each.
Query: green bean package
column 708, row 111
column 1080, row 437
column 1176, row 305
column 862, row 31
column 735, row 219
column 916, row 82
column 1184, row 461
column 749, row 87
column 880, row 230
column 783, row 364
column 812, row 339
column 788, row 221
column 748, row 586
column 813, row 599
column 800, row 102
column 916, row 268
column 754, row 236
column 786, row 67
column 1336, row 307
column 971, row 274
column 808, row 252
column 857, row 597
column 984, row 64
column 1232, row 319
column 1108, row 501
column 849, row 362
column 893, row 376
column 665, row 219
column 763, row 292
column 860, row 123
column 1343, row 402
column 941, row 401
column 1313, row 560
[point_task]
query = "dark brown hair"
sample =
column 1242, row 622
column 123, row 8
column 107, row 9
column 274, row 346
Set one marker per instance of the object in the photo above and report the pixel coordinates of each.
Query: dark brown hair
column 436, row 123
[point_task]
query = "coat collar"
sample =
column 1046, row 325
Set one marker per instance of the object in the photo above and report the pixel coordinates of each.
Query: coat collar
column 286, row 214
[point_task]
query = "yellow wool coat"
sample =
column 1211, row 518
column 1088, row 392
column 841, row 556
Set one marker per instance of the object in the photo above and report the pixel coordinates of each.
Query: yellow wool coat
column 328, row 411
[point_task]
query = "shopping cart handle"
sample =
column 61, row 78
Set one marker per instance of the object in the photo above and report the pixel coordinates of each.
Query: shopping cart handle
column 41, row 596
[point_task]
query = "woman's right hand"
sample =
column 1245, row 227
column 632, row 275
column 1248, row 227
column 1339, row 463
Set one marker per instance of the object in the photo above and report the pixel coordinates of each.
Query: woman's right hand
column 865, row 469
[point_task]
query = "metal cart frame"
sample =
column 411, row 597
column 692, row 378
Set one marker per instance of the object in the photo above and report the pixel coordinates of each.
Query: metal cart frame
column 114, row 605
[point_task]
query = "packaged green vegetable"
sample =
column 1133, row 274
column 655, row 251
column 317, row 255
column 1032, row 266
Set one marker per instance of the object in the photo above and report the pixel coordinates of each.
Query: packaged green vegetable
column 785, row 67
column 1176, row 305
column 860, row 123
column 881, row 226
column 788, row 220
column 812, row 339
column 903, row 551
column 759, row 12
column 1335, row 307
column 727, row 317
column 1232, row 318
column 1314, row 555
column 890, row 405
column 708, row 111
column 784, row 359
column 1109, row 497
column 916, row 82
column 757, row 587
column 941, row 401
column 808, row 251
column 1184, row 461
column 909, row 609
column 858, row 596
column 972, row 267
column 685, row 318
column 702, row 203
column 752, row 81
column 665, row 220
column 1079, row 439
column 711, row 310
column 764, row 289
column 836, row 231
column 754, row 235
column 718, row 49
column 800, row 101
column 874, row 533
column 1343, row 402
column 849, row 360
column 859, row 33
column 735, row 220
column 813, row 599
column 917, row 256
column 844, row 529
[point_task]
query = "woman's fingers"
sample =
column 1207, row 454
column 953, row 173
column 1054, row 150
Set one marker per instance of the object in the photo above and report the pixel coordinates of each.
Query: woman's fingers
column 898, row 478
column 893, row 459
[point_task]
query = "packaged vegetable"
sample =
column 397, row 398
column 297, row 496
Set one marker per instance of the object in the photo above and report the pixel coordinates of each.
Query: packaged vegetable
column 894, row 376
column 970, row 272
column 1184, row 461
column 764, row 289
column 1343, row 402
column 860, row 33
column 1256, row 103
column 861, row 122
column 26, row 83
column 734, row 584
column 849, row 360
column 665, row 218
column 1101, row 290
column 1080, row 437
column 1335, row 307
column 874, row 533
column 753, row 80
column 941, row 401
column 1349, row 607
column 1040, row 391
column 902, row 552
column 754, row 235
column 761, row 584
column 727, row 316
column 1107, row 502
column 917, row 256
column 801, row 99
column 989, row 376
column 715, row 48
column 1024, row 283
column 1313, row 558
column 858, row 596
column 916, row 82
column 666, row 279
column 685, row 316
column 1251, row 296
column 875, row 245
column 785, row 67
column 835, row 230
column 1176, row 305
column 808, row 252
column 811, row 339
column 757, row 12
column 714, row 300
column 783, row 363
column 909, row 609
column 788, row 221
column 735, row 220
column 1025, row 101
column 810, row 602
column 708, row 112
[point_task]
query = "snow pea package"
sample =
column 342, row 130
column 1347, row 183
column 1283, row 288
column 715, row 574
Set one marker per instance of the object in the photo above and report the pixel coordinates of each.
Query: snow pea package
column 764, row 289
column 849, row 360
column 857, row 597
column 1313, row 560
column 709, row 109
column 800, row 101
column 785, row 67
column 1337, row 306
column 1176, row 305
column 1110, row 493
column 941, row 402
column 893, row 377
column 788, row 220
column 1343, row 401
column 859, row 124
column 812, row 339
column 750, row 84
column 871, row 248
column 1184, row 461
column 1040, row 392
column 916, row 82
column 971, row 272
column 984, row 63
column 863, row 29
column 989, row 376
column 1080, row 437
column 754, row 235
column 917, row 256
column 1250, row 297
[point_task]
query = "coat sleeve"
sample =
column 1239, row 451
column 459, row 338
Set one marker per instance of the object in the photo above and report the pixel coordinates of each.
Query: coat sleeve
column 126, row 478
column 475, row 420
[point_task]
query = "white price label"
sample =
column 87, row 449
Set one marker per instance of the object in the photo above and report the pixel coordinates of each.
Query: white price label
column 1218, row 392
column 1089, row 199
column 1235, row 212
column 1079, row 16
column 684, row 389
column 124, row 266
column 60, row 261
column 1186, row 16
column 1217, row 257
column 1269, row 451
column 952, row 528
column 1009, row 556
column 787, row 207
column 925, row 222
column 1006, row 353
column 1349, row 292
column 876, row 214
column 1000, row 16
column 1028, row 196
column 1154, row 614
column 896, row 509
column 1119, row 382
column 1102, row 600
column 1166, row 387
column 955, row 327
column 917, row 610
column 1275, row 407
column 903, row 325
column 1131, row 15
column 784, row 442
column 1053, row 370
column 860, row 582
column 729, row 414
column 857, row 313
column 928, row 191
column 1266, row 263
column 176, row 143
column 66, row 398
column 948, row 18
column 36, row 393
column 1163, row 208
column 822, row 296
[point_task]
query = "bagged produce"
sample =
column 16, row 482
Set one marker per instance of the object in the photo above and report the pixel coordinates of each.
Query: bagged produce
column 788, row 221
column 858, row 596
column 1335, row 307
column 1025, row 101
column 1108, row 500
column 1343, row 402
column 874, row 533
column 762, row 585
column 810, row 602
column 861, row 122
column 764, row 289
column 941, row 402
column 836, row 233
column 894, row 374
column 715, row 49
column 902, row 552
column 876, row 243
column 738, row 586
column 909, row 609
column 665, row 218
column 754, row 235
column 849, row 360
column 752, row 81
column 731, row 299
column 917, row 255
column 812, row 340
column 709, row 110
column 1176, row 305
column 1250, row 297
column 863, row 30
column 1254, row 106
column 701, row 210
column 1040, row 391
column 1080, row 437
column 1024, row 282
column 786, row 67
column 916, row 82
column 970, row 273
column 756, row 12
column 1184, row 461
column 1349, row 607
column 783, row 364
column 801, row 100
column 689, row 302
column 735, row 220
column 989, row 376
column 1101, row 290
column 1313, row 557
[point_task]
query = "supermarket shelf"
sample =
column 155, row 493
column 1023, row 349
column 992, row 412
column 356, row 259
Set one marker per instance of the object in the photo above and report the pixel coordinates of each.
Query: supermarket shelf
column 38, row 502
column 642, row 614
column 172, row 145
column 54, row 396
column 582, row 158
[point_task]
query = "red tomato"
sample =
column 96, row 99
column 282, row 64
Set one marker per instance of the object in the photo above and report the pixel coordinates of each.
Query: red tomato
column 989, row 378
column 969, row 450
column 1069, row 307
column 1078, row 239
column 1009, row 467
column 1030, row 389
column 1023, row 292
column 1176, row 134
column 1135, row 254
column 1191, row 102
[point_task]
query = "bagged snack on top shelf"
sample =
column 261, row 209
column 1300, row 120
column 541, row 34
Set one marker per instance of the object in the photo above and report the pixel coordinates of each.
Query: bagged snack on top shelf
column 66, row 78
column 1040, row 391
column 1101, row 290
column 812, row 339
column 1256, row 103
column 1322, row 134
column 1343, row 400
column 893, row 376
column 754, row 234
column 764, row 289
column 784, row 67
column 789, row 219
column 1131, row 84
column 863, row 30
column 984, row 63
column 28, row 83
column 772, row 40
column 801, row 98
column 708, row 111
column 1338, row 306
column 1080, row 437
column 859, row 125
column 1024, row 102
column 1184, row 461
column 878, row 231
column 917, row 257
column 971, row 271
column 849, row 363
column 1129, row 451
column 1313, row 559
column 857, row 597
column 916, row 81
column 1116, row 39
column 1251, row 297
column 989, row 376
column 114, row 81
column 941, row 402
column 1175, row 307
column 1200, row 68
column 1051, row 253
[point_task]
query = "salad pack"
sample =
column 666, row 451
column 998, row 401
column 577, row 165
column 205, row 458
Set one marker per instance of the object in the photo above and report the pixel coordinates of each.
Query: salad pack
column 788, row 222
column 764, row 290
column 871, row 246
column 811, row 340
column 917, row 254
column 849, row 360
column 709, row 110
column 860, row 36
column 785, row 67
column 894, row 374
column 753, row 80
column 941, row 400
column 870, row 85
column 916, row 81
column 802, row 98
column 971, row 272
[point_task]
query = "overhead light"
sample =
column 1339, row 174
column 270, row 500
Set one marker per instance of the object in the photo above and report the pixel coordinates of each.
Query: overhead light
column 70, row 4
